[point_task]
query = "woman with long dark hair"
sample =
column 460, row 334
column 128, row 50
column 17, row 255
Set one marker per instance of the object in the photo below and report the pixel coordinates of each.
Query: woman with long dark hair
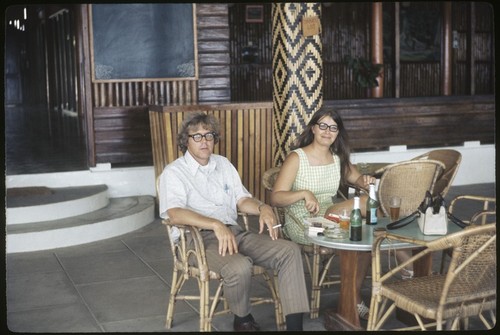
column 311, row 175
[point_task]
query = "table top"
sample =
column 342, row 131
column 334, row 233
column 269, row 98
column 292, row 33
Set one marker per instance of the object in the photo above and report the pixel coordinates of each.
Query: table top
column 411, row 230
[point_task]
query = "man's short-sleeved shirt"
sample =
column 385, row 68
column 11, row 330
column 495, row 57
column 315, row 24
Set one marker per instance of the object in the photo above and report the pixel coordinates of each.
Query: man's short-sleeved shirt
column 212, row 190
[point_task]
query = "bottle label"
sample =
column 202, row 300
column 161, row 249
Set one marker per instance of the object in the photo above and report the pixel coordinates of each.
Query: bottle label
column 373, row 216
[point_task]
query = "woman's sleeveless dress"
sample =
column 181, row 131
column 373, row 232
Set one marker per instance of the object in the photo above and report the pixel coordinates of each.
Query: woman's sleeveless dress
column 323, row 181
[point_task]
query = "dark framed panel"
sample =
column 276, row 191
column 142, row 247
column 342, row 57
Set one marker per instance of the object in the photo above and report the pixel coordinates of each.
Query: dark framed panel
column 143, row 41
column 420, row 31
column 254, row 14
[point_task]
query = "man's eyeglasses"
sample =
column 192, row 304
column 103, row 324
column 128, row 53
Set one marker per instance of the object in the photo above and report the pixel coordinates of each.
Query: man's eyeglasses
column 208, row 136
column 323, row 126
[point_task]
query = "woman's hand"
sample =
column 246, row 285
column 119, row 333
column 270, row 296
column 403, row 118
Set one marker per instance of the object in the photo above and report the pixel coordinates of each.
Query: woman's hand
column 311, row 203
column 364, row 181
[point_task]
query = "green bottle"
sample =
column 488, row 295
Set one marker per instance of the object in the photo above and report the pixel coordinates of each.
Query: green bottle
column 371, row 207
column 355, row 231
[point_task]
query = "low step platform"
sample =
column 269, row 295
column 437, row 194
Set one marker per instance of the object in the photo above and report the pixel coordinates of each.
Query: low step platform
column 120, row 216
column 38, row 204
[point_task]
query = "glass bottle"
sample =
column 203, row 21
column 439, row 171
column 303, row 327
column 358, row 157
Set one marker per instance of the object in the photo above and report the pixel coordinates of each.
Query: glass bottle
column 355, row 222
column 371, row 207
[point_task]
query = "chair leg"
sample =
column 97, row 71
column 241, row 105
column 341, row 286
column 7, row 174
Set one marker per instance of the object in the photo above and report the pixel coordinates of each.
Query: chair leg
column 315, row 292
column 373, row 313
column 205, row 322
column 177, row 283
column 273, row 287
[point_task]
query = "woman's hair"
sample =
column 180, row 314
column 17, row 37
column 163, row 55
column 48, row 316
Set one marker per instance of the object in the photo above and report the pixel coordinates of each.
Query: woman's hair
column 191, row 122
column 340, row 146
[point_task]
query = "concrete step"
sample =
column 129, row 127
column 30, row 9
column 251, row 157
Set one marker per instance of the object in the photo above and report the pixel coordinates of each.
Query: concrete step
column 120, row 216
column 39, row 204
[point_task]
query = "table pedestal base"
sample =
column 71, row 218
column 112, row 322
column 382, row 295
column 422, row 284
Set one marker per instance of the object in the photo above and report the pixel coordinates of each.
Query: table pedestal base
column 335, row 322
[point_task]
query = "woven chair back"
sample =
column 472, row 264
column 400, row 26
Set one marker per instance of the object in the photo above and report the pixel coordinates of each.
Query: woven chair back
column 472, row 271
column 408, row 180
column 451, row 160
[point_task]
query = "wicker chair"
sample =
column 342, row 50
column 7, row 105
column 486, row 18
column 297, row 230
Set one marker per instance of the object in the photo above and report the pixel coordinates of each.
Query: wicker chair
column 408, row 180
column 451, row 160
column 468, row 289
column 191, row 263
column 484, row 207
column 320, row 255
column 482, row 210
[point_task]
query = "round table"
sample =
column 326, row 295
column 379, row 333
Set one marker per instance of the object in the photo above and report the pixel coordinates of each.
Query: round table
column 351, row 251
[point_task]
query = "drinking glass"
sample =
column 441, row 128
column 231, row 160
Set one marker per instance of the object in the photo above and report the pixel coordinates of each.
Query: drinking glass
column 394, row 206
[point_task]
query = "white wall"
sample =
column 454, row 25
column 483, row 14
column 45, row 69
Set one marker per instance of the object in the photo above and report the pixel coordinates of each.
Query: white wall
column 477, row 167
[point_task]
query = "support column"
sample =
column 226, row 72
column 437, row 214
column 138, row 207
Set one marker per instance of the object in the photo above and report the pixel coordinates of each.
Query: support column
column 377, row 47
column 446, row 75
column 297, row 71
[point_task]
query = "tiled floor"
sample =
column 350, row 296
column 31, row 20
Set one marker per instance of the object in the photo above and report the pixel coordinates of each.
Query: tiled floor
column 122, row 285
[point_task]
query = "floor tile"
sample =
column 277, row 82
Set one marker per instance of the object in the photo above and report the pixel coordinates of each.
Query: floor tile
column 26, row 263
column 149, row 248
column 126, row 299
column 54, row 319
column 107, row 266
column 35, row 290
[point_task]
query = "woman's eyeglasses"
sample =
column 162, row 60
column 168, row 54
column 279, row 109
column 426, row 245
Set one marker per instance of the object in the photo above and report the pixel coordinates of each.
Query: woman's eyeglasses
column 208, row 136
column 323, row 126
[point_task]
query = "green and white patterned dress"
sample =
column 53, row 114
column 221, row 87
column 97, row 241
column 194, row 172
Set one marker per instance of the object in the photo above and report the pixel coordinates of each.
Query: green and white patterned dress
column 323, row 181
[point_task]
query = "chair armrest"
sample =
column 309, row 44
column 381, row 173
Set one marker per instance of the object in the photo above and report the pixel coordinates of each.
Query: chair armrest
column 485, row 200
column 188, row 253
column 244, row 216
column 349, row 185
column 381, row 236
column 483, row 215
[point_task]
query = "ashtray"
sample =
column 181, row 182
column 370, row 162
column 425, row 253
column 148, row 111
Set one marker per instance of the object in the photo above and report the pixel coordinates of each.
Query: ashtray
column 335, row 233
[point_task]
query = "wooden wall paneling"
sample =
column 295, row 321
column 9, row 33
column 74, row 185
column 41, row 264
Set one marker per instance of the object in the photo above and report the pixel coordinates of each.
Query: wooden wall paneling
column 212, row 37
column 156, row 147
column 438, row 121
column 122, row 135
column 240, row 141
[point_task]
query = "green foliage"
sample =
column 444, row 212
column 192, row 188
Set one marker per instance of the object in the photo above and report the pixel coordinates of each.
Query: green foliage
column 365, row 72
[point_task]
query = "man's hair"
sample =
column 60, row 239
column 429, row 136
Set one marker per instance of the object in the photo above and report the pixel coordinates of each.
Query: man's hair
column 191, row 122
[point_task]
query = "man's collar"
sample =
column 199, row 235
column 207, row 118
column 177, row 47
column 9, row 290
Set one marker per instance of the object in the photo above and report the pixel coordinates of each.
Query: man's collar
column 193, row 165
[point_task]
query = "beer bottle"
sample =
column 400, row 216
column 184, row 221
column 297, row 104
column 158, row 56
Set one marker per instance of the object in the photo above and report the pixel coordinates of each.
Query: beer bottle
column 355, row 222
column 371, row 206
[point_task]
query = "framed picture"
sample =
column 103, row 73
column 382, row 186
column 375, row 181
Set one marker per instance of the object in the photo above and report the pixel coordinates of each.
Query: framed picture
column 254, row 13
column 121, row 51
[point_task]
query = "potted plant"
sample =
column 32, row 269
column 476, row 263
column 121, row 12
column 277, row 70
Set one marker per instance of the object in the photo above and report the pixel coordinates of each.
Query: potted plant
column 365, row 72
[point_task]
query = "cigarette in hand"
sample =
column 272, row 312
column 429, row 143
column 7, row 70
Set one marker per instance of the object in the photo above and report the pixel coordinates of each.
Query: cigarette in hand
column 277, row 226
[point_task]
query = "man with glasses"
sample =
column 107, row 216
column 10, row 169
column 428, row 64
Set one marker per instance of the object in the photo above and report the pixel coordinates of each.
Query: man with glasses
column 204, row 189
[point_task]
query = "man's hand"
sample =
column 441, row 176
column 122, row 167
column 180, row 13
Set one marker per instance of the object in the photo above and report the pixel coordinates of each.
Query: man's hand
column 268, row 219
column 227, row 241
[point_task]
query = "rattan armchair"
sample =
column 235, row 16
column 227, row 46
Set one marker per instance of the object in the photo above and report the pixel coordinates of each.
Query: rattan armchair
column 484, row 208
column 408, row 180
column 315, row 256
column 451, row 160
column 481, row 210
column 190, row 262
column 467, row 289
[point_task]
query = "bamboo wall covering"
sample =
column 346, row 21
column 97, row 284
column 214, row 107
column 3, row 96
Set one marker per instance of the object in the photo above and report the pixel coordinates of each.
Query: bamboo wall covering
column 246, row 138
column 297, row 73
